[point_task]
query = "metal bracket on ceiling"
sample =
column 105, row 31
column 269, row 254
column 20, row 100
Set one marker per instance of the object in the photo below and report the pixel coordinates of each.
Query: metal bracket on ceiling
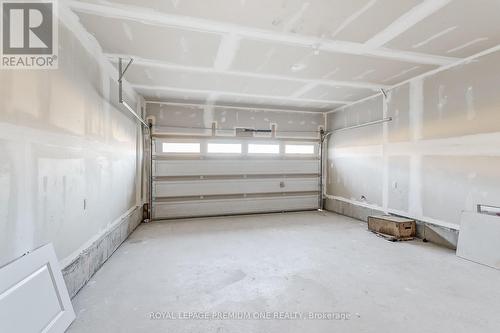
column 123, row 71
column 121, row 74
column 382, row 90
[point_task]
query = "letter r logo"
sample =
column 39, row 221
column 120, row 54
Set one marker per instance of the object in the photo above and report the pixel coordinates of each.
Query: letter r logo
column 27, row 27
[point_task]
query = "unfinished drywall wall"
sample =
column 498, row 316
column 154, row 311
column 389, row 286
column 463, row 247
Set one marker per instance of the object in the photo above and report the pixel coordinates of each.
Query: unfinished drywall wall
column 69, row 158
column 185, row 119
column 439, row 155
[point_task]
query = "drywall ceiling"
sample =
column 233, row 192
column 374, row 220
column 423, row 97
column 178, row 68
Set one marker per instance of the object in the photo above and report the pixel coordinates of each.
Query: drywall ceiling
column 313, row 55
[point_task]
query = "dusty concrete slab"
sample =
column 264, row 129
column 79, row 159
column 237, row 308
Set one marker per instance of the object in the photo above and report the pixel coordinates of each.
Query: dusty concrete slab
column 296, row 262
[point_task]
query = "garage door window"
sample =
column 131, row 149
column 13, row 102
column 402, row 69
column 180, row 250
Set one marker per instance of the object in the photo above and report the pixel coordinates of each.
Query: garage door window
column 224, row 148
column 299, row 149
column 263, row 149
column 180, row 147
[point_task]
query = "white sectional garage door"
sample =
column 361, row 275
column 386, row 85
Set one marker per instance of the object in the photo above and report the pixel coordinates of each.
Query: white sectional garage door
column 219, row 176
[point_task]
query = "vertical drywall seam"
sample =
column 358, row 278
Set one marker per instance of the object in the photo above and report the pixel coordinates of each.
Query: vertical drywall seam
column 385, row 158
column 26, row 173
column 208, row 114
column 416, row 119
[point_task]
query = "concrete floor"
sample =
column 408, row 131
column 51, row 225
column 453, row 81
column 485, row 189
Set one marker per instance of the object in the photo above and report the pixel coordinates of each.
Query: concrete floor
column 294, row 262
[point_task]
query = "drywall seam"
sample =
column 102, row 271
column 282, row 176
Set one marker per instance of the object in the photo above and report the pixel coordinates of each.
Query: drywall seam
column 208, row 110
column 371, row 150
column 149, row 16
column 139, row 61
column 482, row 144
column 230, row 93
column 406, row 71
column 411, row 57
column 353, row 17
column 416, row 96
column 292, row 21
column 469, row 97
column 433, row 37
column 385, row 157
column 25, row 233
column 415, row 186
column 365, row 73
column 24, row 134
column 421, row 76
column 255, row 108
column 463, row 46
column 228, row 49
column 406, row 21
column 301, row 91
column 416, row 109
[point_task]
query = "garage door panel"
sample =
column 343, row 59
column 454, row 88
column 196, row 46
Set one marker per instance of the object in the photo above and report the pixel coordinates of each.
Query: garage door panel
column 179, row 188
column 193, row 208
column 211, row 176
column 172, row 168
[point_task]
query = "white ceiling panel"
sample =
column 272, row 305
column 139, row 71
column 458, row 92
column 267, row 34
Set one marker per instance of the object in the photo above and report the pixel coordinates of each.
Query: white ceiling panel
column 153, row 42
column 461, row 29
column 295, row 61
column 144, row 75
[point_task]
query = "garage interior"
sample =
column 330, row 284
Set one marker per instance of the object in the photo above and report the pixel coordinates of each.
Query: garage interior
column 223, row 157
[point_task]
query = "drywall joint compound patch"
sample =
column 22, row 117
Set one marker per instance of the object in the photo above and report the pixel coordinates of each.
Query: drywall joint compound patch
column 29, row 32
